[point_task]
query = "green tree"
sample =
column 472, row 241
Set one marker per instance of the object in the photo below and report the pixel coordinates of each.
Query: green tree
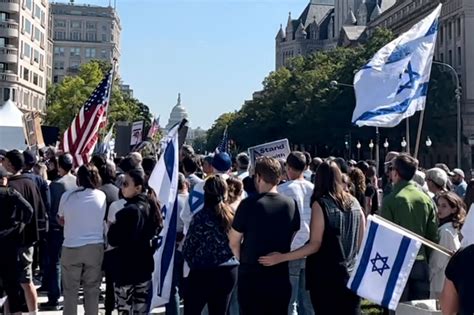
column 65, row 99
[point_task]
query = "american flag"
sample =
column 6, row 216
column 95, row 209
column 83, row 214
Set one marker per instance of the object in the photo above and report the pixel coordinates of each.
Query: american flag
column 224, row 144
column 155, row 127
column 81, row 137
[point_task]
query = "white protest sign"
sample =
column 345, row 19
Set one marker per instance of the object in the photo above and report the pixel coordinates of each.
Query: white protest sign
column 137, row 132
column 279, row 149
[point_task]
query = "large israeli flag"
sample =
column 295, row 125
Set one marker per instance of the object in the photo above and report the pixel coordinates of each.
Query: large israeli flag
column 164, row 181
column 384, row 263
column 394, row 84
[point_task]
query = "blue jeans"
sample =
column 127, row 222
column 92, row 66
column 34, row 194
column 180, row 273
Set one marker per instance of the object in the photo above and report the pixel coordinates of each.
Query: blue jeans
column 53, row 270
column 300, row 302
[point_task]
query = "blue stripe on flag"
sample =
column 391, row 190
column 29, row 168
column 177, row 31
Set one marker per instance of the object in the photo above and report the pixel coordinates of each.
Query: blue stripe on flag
column 169, row 246
column 397, row 266
column 169, row 159
column 364, row 259
column 399, row 108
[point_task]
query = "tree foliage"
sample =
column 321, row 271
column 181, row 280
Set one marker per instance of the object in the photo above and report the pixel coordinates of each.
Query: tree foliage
column 65, row 99
column 298, row 103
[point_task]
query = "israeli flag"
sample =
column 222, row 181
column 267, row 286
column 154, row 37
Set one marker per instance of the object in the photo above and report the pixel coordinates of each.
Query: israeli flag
column 394, row 84
column 164, row 181
column 384, row 263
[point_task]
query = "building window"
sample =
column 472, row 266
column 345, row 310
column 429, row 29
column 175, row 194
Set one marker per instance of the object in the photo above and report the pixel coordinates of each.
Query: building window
column 459, row 56
column 60, row 23
column 104, row 37
column 59, row 51
column 450, row 57
column 55, row 79
column 60, row 35
column 3, row 41
column 458, row 24
column 37, row 34
column 40, row 81
column 59, row 65
column 75, row 51
column 3, row 67
column 91, row 37
column 90, row 52
column 103, row 54
column 112, row 37
column 36, row 56
column 35, row 79
column 37, row 12
column 4, row 16
column 441, row 57
column 441, row 34
column 91, row 25
column 75, row 36
column 27, row 26
column 26, row 74
column 450, row 30
column 29, row 4
column 27, row 50
column 76, row 24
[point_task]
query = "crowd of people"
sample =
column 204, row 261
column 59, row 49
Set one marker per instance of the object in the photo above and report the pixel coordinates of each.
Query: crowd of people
column 268, row 237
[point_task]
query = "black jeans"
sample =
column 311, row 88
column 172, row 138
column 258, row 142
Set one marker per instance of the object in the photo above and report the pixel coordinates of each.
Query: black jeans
column 10, row 277
column 212, row 287
column 264, row 292
column 52, row 274
column 335, row 300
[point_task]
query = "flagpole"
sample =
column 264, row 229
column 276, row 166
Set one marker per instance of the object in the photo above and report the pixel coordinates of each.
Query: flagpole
column 418, row 135
column 407, row 132
column 114, row 65
column 377, row 150
column 417, row 237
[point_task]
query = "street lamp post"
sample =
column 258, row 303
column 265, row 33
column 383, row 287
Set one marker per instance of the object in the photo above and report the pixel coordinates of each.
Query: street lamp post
column 404, row 143
column 358, row 146
column 385, row 145
column 371, row 146
column 458, row 94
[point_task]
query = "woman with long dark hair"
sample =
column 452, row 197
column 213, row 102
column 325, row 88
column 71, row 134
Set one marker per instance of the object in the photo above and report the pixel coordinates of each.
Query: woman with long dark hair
column 132, row 234
column 358, row 180
column 82, row 212
column 336, row 230
column 451, row 215
column 206, row 250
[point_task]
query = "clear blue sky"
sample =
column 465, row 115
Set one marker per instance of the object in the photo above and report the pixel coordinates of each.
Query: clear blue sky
column 215, row 52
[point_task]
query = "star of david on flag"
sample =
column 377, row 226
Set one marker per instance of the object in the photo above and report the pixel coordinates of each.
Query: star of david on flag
column 384, row 263
column 400, row 71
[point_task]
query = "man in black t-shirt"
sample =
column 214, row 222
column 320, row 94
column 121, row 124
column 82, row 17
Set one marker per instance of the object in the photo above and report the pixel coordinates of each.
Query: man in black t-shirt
column 458, row 291
column 266, row 223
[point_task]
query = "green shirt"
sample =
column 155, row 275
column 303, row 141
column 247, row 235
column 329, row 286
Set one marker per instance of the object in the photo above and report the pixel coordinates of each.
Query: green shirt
column 412, row 209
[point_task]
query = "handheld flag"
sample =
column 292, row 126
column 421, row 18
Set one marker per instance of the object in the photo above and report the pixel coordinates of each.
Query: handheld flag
column 224, row 144
column 164, row 181
column 384, row 263
column 81, row 137
column 394, row 84
column 155, row 127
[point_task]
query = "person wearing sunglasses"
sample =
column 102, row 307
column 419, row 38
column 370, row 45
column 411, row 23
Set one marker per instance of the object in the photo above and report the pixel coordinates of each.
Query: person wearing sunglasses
column 132, row 235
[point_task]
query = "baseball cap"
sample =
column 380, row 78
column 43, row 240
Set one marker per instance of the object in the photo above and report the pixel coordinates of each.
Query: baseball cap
column 437, row 176
column 458, row 171
column 222, row 162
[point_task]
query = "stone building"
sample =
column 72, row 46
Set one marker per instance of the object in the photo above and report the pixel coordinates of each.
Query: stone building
column 23, row 53
column 82, row 33
column 324, row 24
column 455, row 47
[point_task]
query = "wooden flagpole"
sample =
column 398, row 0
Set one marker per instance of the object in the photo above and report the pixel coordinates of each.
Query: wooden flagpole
column 419, row 238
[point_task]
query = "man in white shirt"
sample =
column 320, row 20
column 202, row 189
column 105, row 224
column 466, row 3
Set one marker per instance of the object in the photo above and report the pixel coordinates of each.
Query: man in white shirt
column 299, row 189
column 243, row 161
